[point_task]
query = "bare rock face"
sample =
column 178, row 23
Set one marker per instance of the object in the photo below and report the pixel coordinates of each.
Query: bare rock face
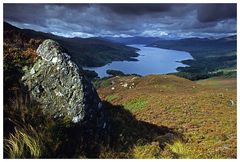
column 59, row 85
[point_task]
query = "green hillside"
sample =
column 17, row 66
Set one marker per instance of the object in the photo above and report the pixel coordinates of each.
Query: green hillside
column 202, row 114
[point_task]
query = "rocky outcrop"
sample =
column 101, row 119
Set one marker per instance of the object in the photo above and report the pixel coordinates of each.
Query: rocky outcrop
column 59, row 86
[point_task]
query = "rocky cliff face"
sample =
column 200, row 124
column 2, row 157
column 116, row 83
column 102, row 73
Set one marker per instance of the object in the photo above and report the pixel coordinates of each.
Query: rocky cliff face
column 59, row 85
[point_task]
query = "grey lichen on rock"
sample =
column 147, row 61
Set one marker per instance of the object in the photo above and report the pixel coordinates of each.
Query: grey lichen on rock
column 59, row 86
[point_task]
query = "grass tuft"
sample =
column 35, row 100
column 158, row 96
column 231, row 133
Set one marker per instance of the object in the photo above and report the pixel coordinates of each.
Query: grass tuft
column 24, row 143
column 178, row 147
column 148, row 151
column 179, row 150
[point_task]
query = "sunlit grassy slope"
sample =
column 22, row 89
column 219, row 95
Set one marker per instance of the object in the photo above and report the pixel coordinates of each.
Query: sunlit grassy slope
column 203, row 112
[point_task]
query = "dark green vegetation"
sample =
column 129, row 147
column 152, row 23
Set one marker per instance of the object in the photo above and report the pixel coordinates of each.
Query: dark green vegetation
column 90, row 74
column 211, row 57
column 84, row 51
column 115, row 72
column 118, row 73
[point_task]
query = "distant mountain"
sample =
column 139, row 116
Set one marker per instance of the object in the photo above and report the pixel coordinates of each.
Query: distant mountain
column 210, row 55
column 230, row 38
column 84, row 51
column 199, row 47
column 133, row 40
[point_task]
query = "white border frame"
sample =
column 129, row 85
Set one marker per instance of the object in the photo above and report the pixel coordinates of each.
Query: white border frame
column 115, row 1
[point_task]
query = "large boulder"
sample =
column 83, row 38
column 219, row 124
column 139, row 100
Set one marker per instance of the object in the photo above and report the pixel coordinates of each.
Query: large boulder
column 59, row 86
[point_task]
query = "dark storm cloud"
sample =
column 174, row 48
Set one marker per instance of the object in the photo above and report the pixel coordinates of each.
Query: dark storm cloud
column 214, row 12
column 138, row 9
column 86, row 20
column 23, row 13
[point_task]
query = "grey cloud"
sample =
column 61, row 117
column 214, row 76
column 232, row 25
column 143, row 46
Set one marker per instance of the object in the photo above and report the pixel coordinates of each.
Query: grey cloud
column 124, row 19
column 214, row 12
column 138, row 9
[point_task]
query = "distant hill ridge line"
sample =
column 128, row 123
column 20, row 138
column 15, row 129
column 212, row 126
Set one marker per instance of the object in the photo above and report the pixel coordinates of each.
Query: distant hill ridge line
column 90, row 52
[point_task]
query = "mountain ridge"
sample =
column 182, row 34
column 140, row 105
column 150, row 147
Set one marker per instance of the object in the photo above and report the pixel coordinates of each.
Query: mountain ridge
column 90, row 52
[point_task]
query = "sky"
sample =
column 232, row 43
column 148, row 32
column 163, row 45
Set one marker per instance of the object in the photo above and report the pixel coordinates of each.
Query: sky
column 168, row 21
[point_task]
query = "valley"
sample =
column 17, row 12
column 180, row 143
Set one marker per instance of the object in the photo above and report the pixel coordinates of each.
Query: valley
column 150, row 61
column 85, row 81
